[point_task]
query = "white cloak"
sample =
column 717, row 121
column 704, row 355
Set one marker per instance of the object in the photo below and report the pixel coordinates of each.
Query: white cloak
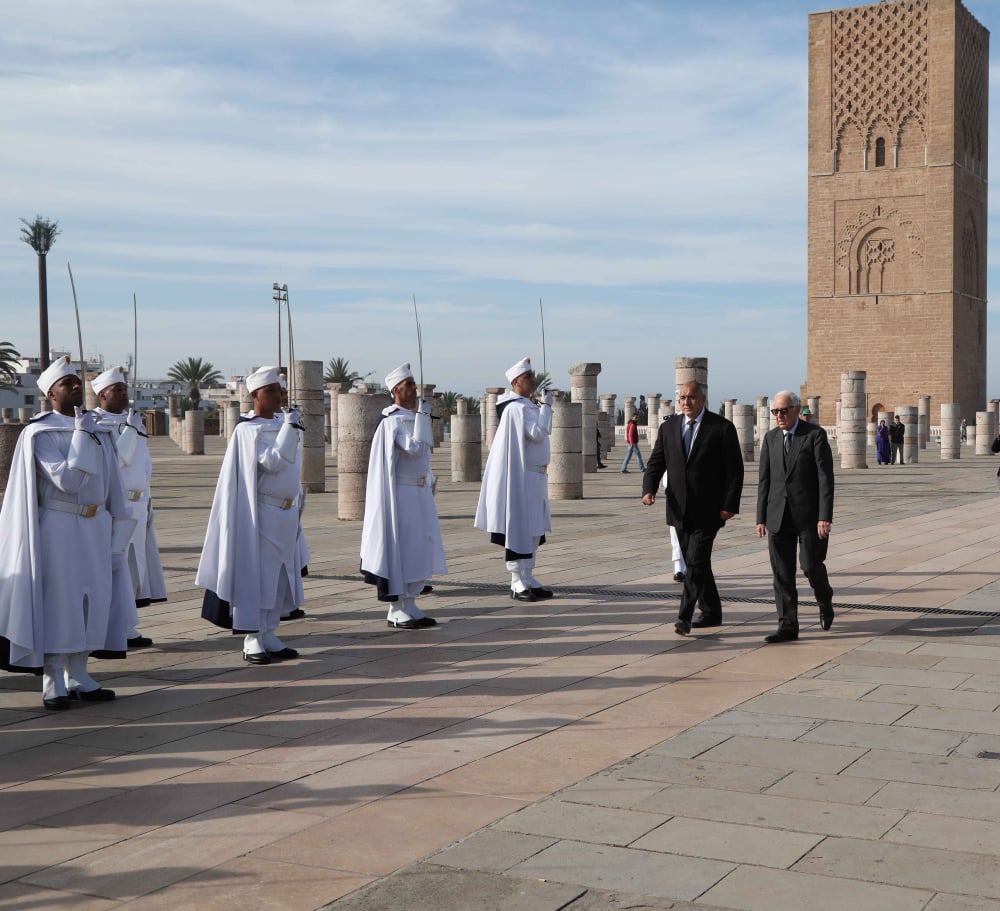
column 57, row 591
column 401, row 537
column 514, row 500
column 249, row 560
column 143, row 549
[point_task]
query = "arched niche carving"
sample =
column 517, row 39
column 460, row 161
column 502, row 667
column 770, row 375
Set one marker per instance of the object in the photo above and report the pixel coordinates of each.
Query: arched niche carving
column 850, row 148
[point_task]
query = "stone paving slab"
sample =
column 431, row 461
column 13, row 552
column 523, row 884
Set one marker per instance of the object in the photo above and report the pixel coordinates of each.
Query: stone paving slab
column 652, row 771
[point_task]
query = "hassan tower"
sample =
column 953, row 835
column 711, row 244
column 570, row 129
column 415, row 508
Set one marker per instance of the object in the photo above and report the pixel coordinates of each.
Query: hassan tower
column 898, row 122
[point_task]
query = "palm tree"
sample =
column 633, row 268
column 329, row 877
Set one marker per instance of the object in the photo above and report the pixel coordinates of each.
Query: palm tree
column 472, row 404
column 543, row 381
column 194, row 373
column 40, row 235
column 8, row 365
column 339, row 371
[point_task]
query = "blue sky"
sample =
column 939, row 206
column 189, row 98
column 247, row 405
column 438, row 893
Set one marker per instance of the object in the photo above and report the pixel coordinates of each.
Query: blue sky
column 640, row 166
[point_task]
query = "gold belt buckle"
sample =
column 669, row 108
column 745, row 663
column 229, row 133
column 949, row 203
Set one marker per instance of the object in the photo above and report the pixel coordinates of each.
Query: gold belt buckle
column 288, row 503
column 89, row 511
column 134, row 495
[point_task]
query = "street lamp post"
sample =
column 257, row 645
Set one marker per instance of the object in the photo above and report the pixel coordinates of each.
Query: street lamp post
column 280, row 296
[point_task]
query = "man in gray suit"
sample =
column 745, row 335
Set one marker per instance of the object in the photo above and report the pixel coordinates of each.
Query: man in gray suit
column 795, row 504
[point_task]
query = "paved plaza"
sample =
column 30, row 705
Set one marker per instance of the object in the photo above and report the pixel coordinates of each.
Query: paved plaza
column 567, row 754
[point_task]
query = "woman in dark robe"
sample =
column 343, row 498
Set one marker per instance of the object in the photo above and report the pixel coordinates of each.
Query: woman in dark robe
column 884, row 451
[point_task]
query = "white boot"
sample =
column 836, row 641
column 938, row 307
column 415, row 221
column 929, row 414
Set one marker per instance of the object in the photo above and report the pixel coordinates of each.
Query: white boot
column 80, row 684
column 254, row 651
column 411, row 610
column 54, row 693
column 276, row 649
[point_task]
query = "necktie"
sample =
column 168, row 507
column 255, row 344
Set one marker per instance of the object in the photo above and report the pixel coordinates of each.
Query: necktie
column 788, row 442
column 688, row 438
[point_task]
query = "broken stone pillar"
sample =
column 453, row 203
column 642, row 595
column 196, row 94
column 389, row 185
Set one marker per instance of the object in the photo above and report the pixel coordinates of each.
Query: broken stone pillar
column 10, row 430
column 358, row 416
column 194, row 432
column 727, row 408
column 466, row 444
column 609, row 408
column 951, row 431
column 232, row 417
column 691, row 369
column 24, row 415
column 607, row 429
column 482, row 416
column 492, row 420
column 924, row 420
column 583, row 389
column 629, row 410
column 985, row 432
column 813, row 403
column 763, row 418
column 743, row 419
column 910, row 417
column 667, row 409
column 653, row 411
column 852, row 433
column 567, row 459
column 335, row 390
column 307, row 386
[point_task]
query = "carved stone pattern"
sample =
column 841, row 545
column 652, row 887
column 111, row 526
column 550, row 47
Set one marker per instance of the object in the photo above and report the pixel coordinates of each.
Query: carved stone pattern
column 878, row 213
column 880, row 251
column 880, row 68
column 973, row 81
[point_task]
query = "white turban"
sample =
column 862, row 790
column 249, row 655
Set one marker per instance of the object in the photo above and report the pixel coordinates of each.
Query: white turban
column 522, row 366
column 262, row 376
column 55, row 372
column 402, row 372
column 108, row 378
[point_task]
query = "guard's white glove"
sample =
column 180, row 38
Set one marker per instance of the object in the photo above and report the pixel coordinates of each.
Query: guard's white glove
column 84, row 452
column 423, row 431
column 288, row 439
column 121, row 534
column 136, row 421
column 545, row 413
column 293, row 416
column 424, row 407
column 128, row 442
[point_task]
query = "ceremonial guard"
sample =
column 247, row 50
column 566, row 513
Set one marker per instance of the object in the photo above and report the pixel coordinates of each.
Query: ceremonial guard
column 136, row 466
column 249, row 564
column 64, row 526
column 514, row 499
column 401, row 540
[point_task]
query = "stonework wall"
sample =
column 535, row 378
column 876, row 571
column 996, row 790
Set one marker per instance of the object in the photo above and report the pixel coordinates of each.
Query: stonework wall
column 897, row 202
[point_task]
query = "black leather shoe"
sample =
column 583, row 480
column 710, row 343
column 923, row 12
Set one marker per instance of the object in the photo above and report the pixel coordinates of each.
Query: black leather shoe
column 542, row 593
column 826, row 616
column 682, row 627
column 139, row 642
column 526, row 595
column 98, row 695
column 286, row 654
column 426, row 621
column 56, row 703
column 427, row 589
column 257, row 657
column 782, row 635
column 704, row 622
column 403, row 624
column 678, row 577
column 296, row 614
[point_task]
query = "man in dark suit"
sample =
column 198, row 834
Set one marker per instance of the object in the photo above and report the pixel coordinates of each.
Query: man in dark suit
column 701, row 455
column 795, row 504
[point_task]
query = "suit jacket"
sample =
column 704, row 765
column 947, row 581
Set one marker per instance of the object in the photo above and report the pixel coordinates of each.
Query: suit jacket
column 802, row 483
column 710, row 481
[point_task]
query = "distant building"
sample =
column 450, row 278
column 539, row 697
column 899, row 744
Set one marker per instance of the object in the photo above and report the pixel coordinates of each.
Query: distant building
column 897, row 202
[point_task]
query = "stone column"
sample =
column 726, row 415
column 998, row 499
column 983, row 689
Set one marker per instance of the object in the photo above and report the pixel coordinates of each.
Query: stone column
column 667, row 409
column 763, row 418
column 970, row 436
column 606, row 426
column 492, row 421
column 609, row 407
column 24, row 415
column 743, row 419
column 728, row 408
column 232, row 417
column 886, row 416
column 813, row 403
column 194, row 432
column 90, row 398
column 583, row 389
column 653, row 410
column 10, row 430
column 772, row 421
column 993, row 407
column 307, row 383
column 910, row 417
column 482, row 417
column 924, row 419
column 951, row 431
column 358, row 414
column 566, row 464
column 853, row 417
column 985, row 432
column 688, row 369
column 335, row 389
column 629, row 408
column 466, row 444
column 437, row 425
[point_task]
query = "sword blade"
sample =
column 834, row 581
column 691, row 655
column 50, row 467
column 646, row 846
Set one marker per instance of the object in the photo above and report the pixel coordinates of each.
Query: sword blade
column 541, row 313
column 79, row 334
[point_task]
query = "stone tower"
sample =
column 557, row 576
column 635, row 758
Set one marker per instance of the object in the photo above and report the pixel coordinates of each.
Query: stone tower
column 897, row 202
